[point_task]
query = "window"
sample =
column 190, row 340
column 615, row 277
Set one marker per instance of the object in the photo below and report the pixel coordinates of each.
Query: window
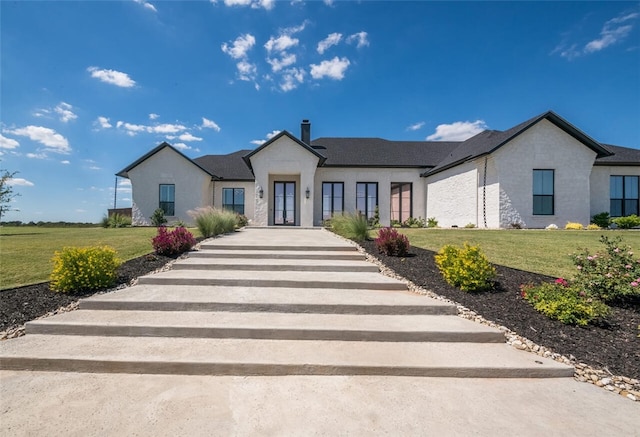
column 401, row 201
column 332, row 199
column 168, row 199
column 367, row 198
column 233, row 199
column 624, row 196
column 543, row 192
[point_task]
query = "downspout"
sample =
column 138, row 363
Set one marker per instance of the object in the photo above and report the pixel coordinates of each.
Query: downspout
column 484, row 192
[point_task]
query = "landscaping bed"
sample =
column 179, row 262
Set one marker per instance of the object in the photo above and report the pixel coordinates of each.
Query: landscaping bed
column 614, row 346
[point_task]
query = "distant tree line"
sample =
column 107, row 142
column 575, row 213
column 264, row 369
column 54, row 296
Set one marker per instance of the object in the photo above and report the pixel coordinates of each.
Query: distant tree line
column 49, row 224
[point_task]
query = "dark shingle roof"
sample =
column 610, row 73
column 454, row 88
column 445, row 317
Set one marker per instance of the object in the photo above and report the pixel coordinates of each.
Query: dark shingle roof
column 378, row 152
column 227, row 167
column 490, row 140
column 621, row 156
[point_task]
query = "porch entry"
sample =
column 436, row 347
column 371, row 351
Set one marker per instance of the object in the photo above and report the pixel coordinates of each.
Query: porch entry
column 284, row 201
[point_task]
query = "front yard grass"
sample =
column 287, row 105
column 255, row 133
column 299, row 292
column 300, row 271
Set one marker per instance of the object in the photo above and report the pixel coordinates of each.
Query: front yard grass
column 538, row 251
column 26, row 251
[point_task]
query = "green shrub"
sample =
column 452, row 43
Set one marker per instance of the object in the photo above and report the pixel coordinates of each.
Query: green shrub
column 574, row 226
column 392, row 243
column 211, row 221
column 470, row 225
column 84, row 268
column 610, row 275
column 413, row 222
column 432, row 222
column 158, row 218
column 466, row 268
column 352, row 226
column 568, row 303
column 601, row 219
column 593, row 227
column 117, row 221
column 628, row 222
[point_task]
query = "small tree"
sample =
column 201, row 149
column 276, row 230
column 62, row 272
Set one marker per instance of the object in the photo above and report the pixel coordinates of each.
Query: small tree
column 6, row 192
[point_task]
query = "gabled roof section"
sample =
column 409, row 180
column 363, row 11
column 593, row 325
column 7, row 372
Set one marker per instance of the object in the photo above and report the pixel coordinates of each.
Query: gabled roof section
column 229, row 167
column 247, row 157
column 378, row 152
column 125, row 171
column 489, row 141
column 621, row 156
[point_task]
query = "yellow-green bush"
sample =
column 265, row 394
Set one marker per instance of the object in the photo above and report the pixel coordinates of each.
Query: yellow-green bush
column 574, row 226
column 84, row 268
column 593, row 227
column 466, row 268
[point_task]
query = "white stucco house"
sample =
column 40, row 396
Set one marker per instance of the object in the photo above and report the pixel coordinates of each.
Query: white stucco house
column 540, row 172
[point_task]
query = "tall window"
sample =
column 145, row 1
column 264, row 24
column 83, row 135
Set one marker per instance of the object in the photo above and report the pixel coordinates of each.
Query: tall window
column 624, row 195
column 168, row 199
column 233, row 199
column 332, row 199
column 401, row 207
column 543, row 192
column 367, row 198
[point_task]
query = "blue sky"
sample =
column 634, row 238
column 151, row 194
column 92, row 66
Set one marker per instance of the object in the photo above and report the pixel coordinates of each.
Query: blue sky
column 88, row 87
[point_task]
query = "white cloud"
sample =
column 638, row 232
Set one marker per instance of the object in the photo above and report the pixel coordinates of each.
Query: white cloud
column 147, row 5
column 37, row 155
column 333, row 69
column 132, row 129
column 328, row 2
column 102, row 122
column 19, row 182
column 331, row 40
column 268, row 136
column 181, row 146
column 239, row 48
column 278, row 64
column 8, row 143
column 295, row 29
column 281, row 43
column 65, row 162
column 291, row 78
column 124, row 183
column 457, row 131
column 94, row 167
column 166, row 128
column 53, row 141
column 188, row 137
column 246, row 71
column 613, row 31
column 416, row 126
column 206, row 123
column 361, row 39
column 113, row 77
column 41, row 112
column 153, row 116
column 65, row 112
column 255, row 4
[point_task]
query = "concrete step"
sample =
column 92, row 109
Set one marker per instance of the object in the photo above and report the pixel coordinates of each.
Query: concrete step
column 300, row 265
column 251, row 299
column 346, row 255
column 288, row 279
column 245, row 357
column 272, row 326
column 286, row 247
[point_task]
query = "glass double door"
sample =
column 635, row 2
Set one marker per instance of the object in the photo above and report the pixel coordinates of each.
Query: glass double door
column 284, row 201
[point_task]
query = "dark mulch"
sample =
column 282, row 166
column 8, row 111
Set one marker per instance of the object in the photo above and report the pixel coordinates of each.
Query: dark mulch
column 614, row 345
column 20, row 305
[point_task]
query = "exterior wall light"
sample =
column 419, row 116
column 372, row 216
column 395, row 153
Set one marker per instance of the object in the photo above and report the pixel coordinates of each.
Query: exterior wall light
column 261, row 193
column 307, row 193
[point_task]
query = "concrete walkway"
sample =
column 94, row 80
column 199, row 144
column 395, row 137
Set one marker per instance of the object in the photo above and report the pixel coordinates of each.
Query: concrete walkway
column 285, row 332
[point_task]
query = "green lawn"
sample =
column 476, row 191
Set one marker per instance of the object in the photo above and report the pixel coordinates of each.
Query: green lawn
column 537, row 251
column 26, row 251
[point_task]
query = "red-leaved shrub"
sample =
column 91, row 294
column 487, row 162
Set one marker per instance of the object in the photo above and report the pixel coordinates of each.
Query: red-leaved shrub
column 391, row 242
column 172, row 242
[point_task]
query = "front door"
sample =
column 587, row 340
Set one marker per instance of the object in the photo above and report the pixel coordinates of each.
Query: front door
column 284, row 203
